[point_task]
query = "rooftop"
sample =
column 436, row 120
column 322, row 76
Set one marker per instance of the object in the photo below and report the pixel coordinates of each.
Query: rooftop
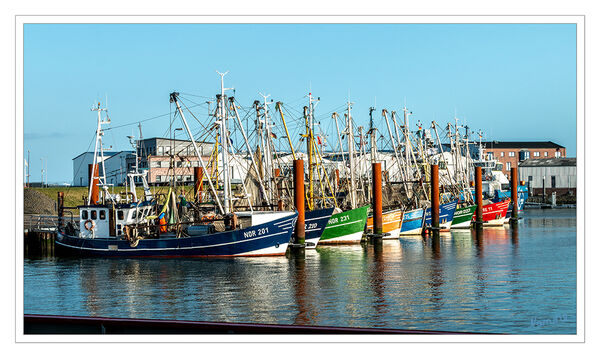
column 499, row 144
column 549, row 162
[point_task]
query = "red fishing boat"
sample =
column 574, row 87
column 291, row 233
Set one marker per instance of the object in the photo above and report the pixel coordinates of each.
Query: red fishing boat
column 494, row 213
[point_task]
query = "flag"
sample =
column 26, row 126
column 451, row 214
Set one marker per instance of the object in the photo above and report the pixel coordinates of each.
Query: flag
column 319, row 140
column 273, row 135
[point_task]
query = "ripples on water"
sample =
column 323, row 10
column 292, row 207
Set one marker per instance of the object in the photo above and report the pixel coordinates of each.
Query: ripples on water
column 511, row 280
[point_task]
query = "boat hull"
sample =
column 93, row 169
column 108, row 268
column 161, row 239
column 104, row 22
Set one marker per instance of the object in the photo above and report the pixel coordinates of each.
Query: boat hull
column 392, row 221
column 315, row 222
column 446, row 215
column 463, row 217
column 268, row 239
column 494, row 213
column 346, row 227
column 412, row 222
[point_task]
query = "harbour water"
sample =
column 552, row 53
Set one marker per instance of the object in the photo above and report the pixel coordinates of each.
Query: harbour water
column 513, row 279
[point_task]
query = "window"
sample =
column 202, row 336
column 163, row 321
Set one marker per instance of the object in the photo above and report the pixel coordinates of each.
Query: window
column 164, row 164
column 557, row 154
column 511, row 154
column 93, row 214
column 120, row 214
column 134, row 214
column 545, row 154
column 553, row 181
column 84, row 215
column 102, row 215
column 501, row 154
column 530, row 178
column 536, row 154
column 508, row 166
column 154, row 164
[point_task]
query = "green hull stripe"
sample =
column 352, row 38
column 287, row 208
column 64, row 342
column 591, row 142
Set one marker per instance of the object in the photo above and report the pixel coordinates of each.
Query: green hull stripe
column 346, row 223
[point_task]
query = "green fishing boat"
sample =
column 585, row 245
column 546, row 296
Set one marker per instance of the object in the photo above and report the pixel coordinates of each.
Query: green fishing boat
column 462, row 217
column 346, row 227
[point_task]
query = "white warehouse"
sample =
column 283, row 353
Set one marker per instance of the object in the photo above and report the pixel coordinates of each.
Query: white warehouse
column 115, row 164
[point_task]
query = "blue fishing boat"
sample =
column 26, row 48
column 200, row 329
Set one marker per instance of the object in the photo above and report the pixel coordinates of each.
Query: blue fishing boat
column 446, row 215
column 315, row 222
column 412, row 222
column 267, row 239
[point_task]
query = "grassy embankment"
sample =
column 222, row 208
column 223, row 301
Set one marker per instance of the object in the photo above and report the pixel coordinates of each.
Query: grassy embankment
column 74, row 195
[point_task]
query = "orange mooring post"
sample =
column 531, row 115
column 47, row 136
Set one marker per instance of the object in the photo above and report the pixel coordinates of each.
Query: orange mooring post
column 435, row 196
column 478, row 197
column 94, row 178
column 299, row 199
column 514, row 179
column 377, row 206
column 198, row 177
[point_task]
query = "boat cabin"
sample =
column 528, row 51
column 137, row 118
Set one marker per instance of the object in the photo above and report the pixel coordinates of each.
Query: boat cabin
column 101, row 221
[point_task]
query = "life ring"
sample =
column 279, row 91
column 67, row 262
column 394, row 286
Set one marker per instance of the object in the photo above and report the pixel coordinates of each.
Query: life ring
column 88, row 221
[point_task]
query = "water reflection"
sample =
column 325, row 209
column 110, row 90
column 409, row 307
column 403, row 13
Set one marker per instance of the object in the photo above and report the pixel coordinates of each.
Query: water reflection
column 496, row 280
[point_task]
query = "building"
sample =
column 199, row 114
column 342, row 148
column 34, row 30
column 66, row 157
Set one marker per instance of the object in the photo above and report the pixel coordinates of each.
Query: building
column 552, row 174
column 115, row 164
column 154, row 154
column 512, row 153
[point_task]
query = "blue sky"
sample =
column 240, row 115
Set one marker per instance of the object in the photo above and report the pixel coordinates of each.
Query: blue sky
column 515, row 82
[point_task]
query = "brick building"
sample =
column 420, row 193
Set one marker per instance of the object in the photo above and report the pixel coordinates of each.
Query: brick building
column 154, row 155
column 511, row 153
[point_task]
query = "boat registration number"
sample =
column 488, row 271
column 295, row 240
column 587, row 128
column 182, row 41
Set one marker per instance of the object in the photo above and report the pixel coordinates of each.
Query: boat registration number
column 341, row 219
column 253, row 233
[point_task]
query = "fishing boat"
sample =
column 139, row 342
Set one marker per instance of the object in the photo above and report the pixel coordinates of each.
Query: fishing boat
column 446, row 215
column 111, row 225
column 315, row 222
column 392, row 221
column 494, row 213
column 345, row 227
column 463, row 217
column 412, row 222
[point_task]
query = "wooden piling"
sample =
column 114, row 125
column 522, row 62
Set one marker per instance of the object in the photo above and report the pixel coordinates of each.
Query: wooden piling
column 198, row 179
column 514, row 179
column 435, row 197
column 299, row 199
column 94, row 179
column 377, row 203
column 478, row 197
column 60, row 207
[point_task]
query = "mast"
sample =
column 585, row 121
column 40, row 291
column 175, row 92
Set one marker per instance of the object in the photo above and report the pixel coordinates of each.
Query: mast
column 372, row 133
column 254, row 165
column 351, row 156
column 97, row 145
column 173, row 98
column 224, row 133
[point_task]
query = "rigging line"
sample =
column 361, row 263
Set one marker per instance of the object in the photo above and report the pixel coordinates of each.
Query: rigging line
column 188, row 109
column 141, row 121
column 195, row 95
